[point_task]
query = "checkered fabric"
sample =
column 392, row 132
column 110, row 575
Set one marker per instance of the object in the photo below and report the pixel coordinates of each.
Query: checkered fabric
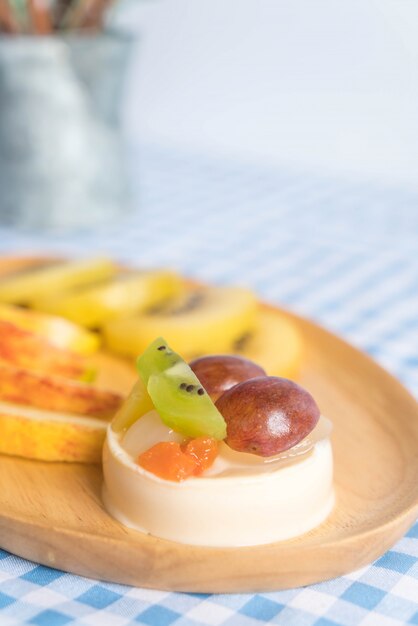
column 344, row 254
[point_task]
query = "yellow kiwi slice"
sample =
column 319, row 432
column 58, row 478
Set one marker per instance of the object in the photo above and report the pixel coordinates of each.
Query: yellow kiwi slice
column 201, row 320
column 123, row 296
column 275, row 344
column 24, row 287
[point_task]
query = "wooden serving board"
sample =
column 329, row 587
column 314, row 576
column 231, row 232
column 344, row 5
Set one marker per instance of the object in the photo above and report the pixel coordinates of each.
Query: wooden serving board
column 52, row 513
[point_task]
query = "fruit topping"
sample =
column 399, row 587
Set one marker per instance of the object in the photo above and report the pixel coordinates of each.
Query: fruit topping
column 267, row 415
column 171, row 461
column 137, row 404
column 204, row 450
column 177, row 393
column 168, row 461
column 200, row 321
column 123, row 295
column 156, row 359
column 218, row 373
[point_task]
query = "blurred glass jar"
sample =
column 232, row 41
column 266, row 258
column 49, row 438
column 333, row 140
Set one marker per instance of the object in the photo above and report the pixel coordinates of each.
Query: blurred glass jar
column 61, row 151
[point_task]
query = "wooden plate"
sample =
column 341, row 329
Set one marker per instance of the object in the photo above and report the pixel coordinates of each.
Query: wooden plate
column 53, row 514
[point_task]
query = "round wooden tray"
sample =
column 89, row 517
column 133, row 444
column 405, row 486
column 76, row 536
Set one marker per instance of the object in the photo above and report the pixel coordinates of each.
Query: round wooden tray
column 52, row 513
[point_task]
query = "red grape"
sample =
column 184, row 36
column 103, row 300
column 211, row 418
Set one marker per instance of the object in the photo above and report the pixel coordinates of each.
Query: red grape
column 267, row 415
column 218, row 373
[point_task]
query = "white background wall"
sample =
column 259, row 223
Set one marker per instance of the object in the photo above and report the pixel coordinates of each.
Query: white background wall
column 329, row 85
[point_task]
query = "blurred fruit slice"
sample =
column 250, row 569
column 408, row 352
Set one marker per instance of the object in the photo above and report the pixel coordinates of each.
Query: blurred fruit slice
column 14, row 265
column 275, row 344
column 200, row 321
column 57, row 331
column 120, row 296
column 48, row 436
column 27, row 350
column 25, row 287
column 54, row 393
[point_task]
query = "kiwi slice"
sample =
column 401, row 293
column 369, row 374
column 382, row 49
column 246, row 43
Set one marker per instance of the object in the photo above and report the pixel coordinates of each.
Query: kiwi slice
column 176, row 392
column 200, row 320
column 275, row 344
column 26, row 287
column 156, row 359
column 119, row 296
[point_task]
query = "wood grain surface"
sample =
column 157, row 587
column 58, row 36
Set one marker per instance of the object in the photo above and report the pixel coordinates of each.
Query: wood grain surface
column 52, row 513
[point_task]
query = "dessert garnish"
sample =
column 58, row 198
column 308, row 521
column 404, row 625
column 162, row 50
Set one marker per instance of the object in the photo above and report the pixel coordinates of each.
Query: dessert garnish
column 253, row 413
column 177, row 394
column 173, row 461
column 267, row 415
column 218, row 373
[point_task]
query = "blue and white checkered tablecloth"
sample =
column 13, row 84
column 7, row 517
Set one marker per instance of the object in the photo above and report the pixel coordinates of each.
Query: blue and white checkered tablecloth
column 344, row 254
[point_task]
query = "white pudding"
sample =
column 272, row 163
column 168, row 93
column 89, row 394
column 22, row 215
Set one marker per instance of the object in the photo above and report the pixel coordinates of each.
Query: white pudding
column 242, row 500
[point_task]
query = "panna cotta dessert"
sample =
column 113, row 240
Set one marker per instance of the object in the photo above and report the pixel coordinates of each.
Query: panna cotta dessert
column 217, row 453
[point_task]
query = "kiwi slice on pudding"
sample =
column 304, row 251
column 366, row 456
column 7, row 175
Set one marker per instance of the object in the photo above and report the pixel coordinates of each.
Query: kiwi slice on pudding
column 177, row 394
column 167, row 384
column 199, row 321
column 156, row 359
column 121, row 296
column 25, row 287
